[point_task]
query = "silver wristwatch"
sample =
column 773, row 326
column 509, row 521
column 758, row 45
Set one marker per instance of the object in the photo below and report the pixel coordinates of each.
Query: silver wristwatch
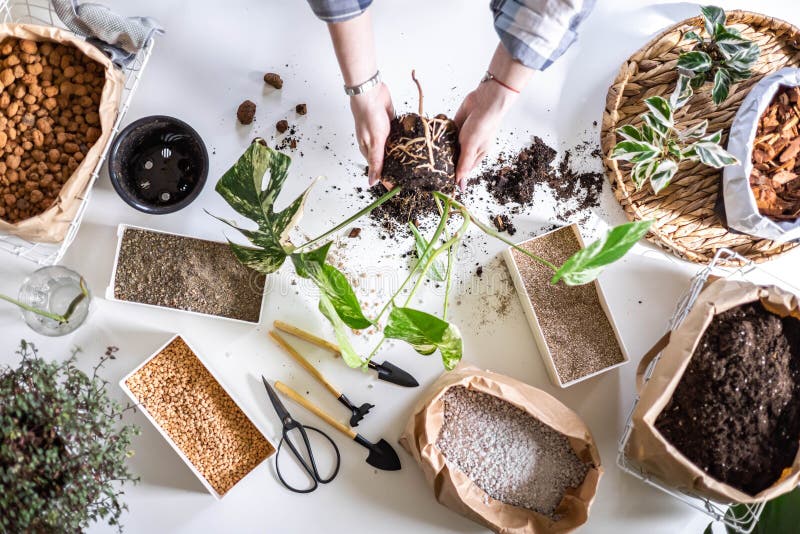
column 361, row 88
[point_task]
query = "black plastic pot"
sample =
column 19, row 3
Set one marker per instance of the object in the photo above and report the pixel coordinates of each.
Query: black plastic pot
column 158, row 164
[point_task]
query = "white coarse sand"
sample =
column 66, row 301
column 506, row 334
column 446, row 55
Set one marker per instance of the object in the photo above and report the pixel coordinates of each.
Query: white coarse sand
column 506, row 452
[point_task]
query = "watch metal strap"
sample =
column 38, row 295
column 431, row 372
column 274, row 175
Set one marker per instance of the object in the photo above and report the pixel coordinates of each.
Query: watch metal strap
column 361, row 88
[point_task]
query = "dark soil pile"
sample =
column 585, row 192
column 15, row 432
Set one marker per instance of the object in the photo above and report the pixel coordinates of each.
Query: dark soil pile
column 515, row 179
column 407, row 206
column 421, row 153
column 736, row 411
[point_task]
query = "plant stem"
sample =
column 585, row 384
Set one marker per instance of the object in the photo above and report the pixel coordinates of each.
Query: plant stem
column 417, row 268
column 446, row 246
column 419, row 88
column 386, row 196
column 489, row 231
column 449, row 274
column 53, row 316
column 436, row 234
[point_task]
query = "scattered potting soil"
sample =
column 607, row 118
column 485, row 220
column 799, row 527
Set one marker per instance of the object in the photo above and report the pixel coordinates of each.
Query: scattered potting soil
column 418, row 160
column 290, row 140
column 506, row 452
column 273, row 79
column 577, row 331
column 736, row 411
column 186, row 274
column 514, row 180
column 503, row 224
column 246, row 112
column 407, row 206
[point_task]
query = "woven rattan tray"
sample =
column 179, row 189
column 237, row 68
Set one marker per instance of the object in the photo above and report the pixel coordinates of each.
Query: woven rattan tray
column 686, row 222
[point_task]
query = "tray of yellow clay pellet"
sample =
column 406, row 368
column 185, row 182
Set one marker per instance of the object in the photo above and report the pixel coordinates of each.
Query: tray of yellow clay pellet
column 178, row 393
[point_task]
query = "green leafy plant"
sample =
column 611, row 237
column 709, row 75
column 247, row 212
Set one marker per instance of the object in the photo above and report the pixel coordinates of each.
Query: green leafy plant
column 62, row 449
column 243, row 188
column 657, row 147
column 779, row 515
column 59, row 318
column 724, row 58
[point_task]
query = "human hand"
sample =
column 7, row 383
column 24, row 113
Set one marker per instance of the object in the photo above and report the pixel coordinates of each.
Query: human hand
column 477, row 120
column 372, row 112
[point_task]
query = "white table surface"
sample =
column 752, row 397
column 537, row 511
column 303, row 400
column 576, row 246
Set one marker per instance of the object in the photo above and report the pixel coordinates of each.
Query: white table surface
column 211, row 59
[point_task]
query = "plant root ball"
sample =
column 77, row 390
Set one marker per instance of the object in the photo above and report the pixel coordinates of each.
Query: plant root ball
column 421, row 153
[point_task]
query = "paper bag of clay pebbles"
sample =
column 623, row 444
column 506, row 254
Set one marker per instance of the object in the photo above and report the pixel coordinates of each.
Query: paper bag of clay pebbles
column 58, row 104
column 504, row 454
column 719, row 416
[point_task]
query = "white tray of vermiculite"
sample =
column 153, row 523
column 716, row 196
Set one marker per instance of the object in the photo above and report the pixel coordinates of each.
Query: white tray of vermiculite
column 573, row 326
column 173, row 271
column 177, row 392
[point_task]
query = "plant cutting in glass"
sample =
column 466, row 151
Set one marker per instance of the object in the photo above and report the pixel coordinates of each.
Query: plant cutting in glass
column 725, row 57
column 425, row 151
column 657, row 147
column 59, row 318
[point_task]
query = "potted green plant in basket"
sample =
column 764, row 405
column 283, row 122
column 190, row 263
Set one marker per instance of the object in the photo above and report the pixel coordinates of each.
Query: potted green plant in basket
column 62, row 448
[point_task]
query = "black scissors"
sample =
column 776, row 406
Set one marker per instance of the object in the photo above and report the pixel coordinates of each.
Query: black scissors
column 290, row 424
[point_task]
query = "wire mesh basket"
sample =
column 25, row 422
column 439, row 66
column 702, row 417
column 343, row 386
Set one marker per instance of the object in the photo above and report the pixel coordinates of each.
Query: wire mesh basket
column 741, row 518
column 41, row 12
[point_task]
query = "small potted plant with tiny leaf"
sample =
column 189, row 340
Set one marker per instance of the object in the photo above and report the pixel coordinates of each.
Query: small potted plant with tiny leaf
column 722, row 56
column 63, row 450
column 270, row 245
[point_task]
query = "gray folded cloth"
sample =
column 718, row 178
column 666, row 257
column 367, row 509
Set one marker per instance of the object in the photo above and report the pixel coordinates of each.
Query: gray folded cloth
column 120, row 37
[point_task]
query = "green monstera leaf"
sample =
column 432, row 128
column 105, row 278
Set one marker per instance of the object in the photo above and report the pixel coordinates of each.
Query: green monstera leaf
column 242, row 187
column 333, row 284
column 337, row 300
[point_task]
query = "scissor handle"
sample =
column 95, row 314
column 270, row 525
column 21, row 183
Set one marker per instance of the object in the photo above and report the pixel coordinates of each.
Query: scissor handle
column 312, row 470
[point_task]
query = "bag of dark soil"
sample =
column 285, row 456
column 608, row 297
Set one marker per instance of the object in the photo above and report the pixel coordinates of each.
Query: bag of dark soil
column 720, row 415
column 504, row 454
column 768, row 164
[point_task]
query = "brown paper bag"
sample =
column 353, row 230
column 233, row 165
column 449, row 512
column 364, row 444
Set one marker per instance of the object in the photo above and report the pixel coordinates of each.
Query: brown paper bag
column 51, row 226
column 454, row 490
column 646, row 446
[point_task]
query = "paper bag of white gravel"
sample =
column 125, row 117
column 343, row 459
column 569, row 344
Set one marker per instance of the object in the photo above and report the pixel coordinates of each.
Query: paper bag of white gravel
column 504, row 454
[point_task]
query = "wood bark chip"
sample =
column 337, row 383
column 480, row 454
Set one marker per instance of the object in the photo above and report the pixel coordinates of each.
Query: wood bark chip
column 776, row 165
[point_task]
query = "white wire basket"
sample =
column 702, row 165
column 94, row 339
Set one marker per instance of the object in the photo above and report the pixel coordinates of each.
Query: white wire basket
column 41, row 12
column 742, row 518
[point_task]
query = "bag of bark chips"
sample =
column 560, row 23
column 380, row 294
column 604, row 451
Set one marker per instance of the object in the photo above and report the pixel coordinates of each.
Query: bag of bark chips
column 741, row 209
column 504, row 454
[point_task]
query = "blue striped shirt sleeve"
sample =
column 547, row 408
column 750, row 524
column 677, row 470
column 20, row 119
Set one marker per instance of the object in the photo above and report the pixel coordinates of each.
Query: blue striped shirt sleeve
column 338, row 10
column 537, row 32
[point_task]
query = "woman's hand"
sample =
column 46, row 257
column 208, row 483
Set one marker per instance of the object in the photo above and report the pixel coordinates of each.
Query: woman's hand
column 477, row 120
column 484, row 108
column 372, row 112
